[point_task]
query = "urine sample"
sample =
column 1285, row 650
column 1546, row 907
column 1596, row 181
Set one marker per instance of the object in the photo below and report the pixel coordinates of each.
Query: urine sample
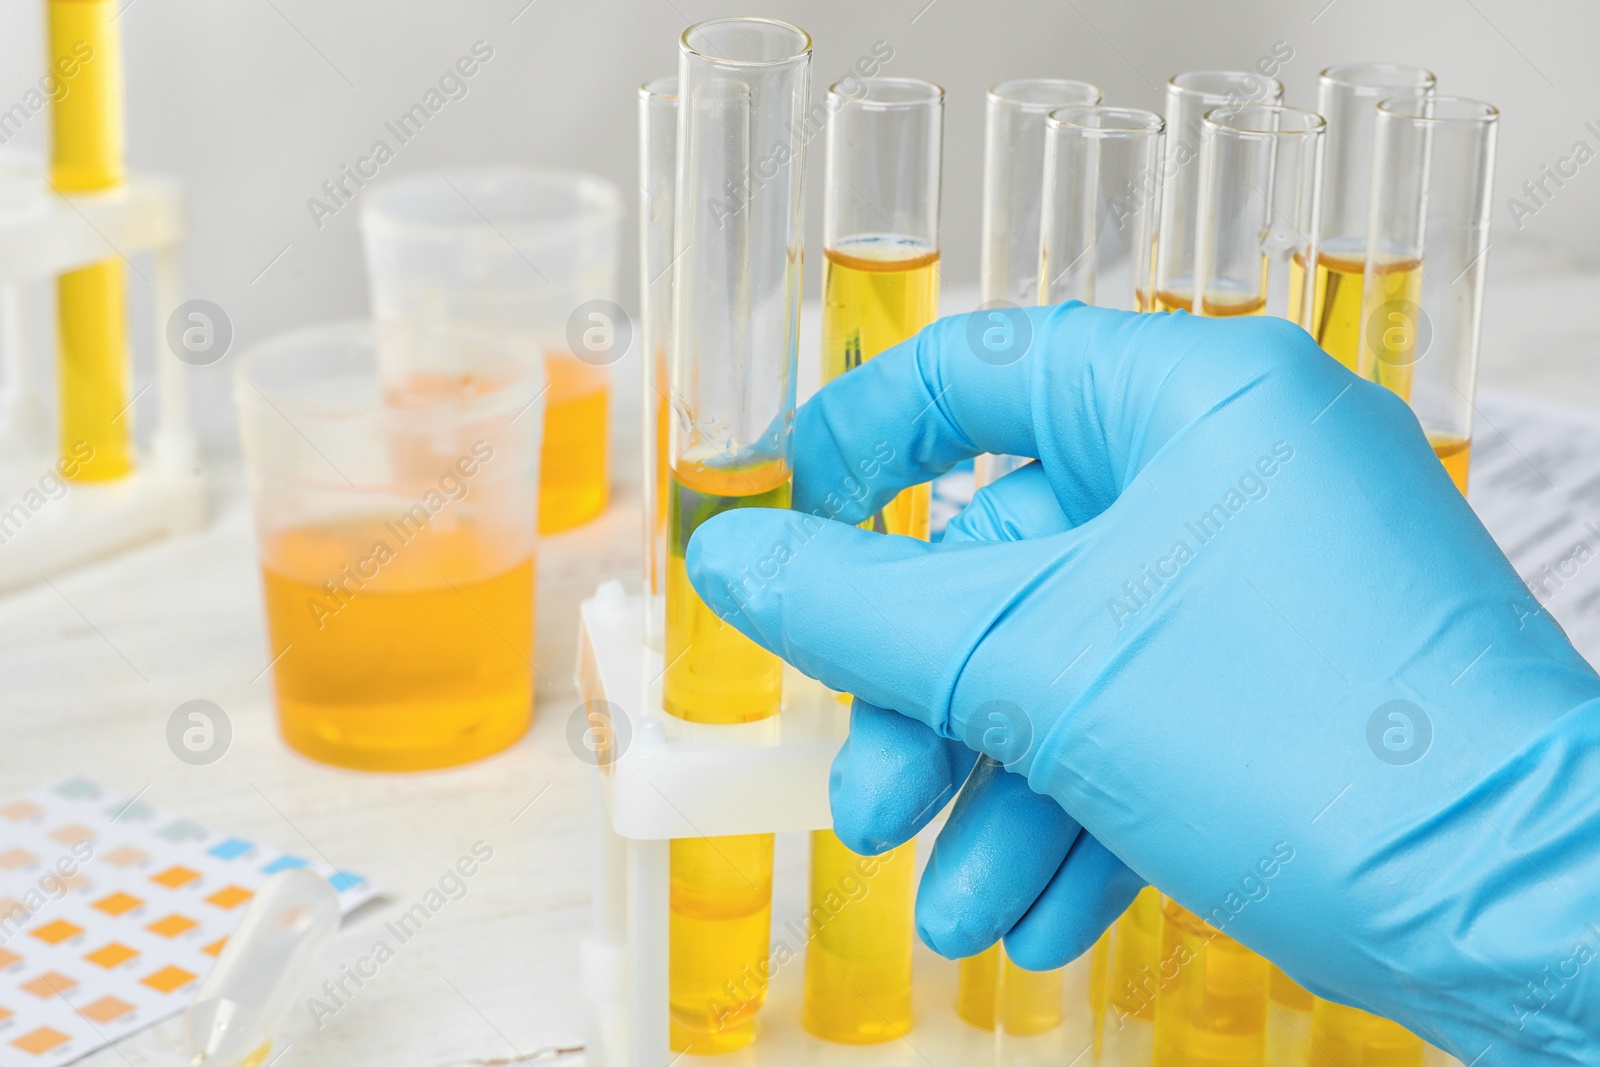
column 742, row 86
column 1212, row 1011
column 85, row 53
column 1128, row 978
column 1260, row 177
column 528, row 252
column 1289, row 1024
column 1101, row 197
column 658, row 173
column 992, row 991
column 1013, row 189
column 1427, row 243
column 880, row 285
column 1189, row 97
column 1350, row 1037
column 1347, row 97
column 396, row 529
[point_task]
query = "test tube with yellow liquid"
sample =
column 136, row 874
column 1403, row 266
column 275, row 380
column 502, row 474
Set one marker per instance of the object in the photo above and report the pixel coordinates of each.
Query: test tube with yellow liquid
column 85, row 54
column 1427, row 242
column 1347, row 97
column 1213, row 1004
column 1260, row 180
column 880, row 286
column 1189, row 97
column 742, row 85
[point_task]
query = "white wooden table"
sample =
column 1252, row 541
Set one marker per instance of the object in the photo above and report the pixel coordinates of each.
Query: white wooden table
column 92, row 666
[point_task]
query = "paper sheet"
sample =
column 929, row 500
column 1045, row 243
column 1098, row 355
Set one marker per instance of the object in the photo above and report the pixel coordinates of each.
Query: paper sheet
column 1535, row 483
column 112, row 912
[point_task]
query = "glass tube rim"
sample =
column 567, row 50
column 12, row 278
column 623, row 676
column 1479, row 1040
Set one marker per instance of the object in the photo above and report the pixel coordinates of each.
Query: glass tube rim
column 1339, row 75
column 1150, row 122
column 1175, row 84
column 1215, row 121
column 800, row 54
column 1485, row 114
column 656, row 88
column 1006, row 92
column 932, row 94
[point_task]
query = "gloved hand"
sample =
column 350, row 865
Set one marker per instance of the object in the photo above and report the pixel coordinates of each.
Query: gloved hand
column 1009, row 862
column 1271, row 661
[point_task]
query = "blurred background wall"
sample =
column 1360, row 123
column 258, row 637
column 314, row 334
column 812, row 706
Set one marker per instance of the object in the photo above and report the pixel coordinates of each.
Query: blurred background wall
column 256, row 103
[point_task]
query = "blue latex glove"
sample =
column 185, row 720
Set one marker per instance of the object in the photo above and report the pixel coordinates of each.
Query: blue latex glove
column 1050, row 899
column 1272, row 662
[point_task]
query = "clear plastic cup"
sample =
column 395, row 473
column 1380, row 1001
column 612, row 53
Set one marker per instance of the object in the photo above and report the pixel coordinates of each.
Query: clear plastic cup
column 531, row 253
column 396, row 518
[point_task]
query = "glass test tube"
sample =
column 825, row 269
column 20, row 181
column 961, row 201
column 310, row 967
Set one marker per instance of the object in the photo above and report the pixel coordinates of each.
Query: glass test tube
column 1212, row 1009
column 742, row 85
column 87, row 154
column 1260, row 172
column 658, row 171
column 1347, row 97
column 1102, row 193
column 880, row 286
column 1189, row 97
column 1427, row 243
column 1013, row 166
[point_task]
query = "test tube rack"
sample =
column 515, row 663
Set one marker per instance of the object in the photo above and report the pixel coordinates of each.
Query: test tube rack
column 664, row 778
column 43, row 234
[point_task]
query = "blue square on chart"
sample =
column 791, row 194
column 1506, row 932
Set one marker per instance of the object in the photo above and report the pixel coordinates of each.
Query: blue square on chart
column 343, row 880
column 231, row 849
column 283, row 863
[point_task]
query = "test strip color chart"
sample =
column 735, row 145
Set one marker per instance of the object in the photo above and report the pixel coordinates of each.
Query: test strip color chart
column 112, row 912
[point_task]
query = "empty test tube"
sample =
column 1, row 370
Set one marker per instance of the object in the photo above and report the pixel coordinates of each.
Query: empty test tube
column 1427, row 243
column 742, row 85
column 1101, row 197
column 1260, row 178
column 1347, row 98
column 880, row 286
column 658, row 165
column 1013, row 168
column 1189, row 97
column 86, row 156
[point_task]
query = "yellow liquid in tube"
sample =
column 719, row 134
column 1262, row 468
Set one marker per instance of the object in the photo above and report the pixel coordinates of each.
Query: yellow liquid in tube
column 87, row 155
column 875, row 294
column 720, row 919
column 1335, row 303
column 1212, row 1012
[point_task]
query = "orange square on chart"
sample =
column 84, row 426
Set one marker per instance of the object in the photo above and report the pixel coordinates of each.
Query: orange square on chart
column 49, row 984
column 54, row 933
column 215, row 948
column 22, row 810
column 40, row 1041
column 229, row 897
column 117, row 903
column 167, row 979
column 13, row 858
column 71, row 835
column 175, row 877
column 172, row 925
column 110, row 955
column 7, row 958
column 126, row 856
column 107, row 1008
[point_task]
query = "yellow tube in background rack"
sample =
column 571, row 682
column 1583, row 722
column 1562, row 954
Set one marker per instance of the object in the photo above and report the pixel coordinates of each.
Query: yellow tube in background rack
column 87, row 155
